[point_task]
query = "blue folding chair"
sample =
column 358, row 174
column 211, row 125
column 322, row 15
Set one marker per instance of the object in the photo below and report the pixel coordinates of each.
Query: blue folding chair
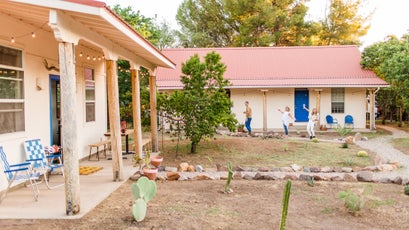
column 331, row 121
column 41, row 162
column 18, row 173
column 349, row 121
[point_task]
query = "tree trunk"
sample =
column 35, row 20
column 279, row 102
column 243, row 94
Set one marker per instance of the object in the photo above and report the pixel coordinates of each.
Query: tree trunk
column 193, row 147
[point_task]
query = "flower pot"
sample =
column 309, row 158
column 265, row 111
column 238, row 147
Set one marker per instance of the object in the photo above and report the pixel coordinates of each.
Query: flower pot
column 150, row 173
column 156, row 160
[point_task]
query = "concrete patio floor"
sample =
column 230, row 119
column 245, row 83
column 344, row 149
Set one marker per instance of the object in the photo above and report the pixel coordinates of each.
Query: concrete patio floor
column 94, row 188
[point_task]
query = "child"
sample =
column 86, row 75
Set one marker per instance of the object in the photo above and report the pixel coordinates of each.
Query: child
column 286, row 119
column 312, row 119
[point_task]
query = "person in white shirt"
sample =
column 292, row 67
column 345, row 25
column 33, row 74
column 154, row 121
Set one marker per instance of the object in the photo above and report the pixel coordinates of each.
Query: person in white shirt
column 312, row 120
column 287, row 116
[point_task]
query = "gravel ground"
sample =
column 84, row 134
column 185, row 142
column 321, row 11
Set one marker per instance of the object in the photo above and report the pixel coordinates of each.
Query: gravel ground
column 386, row 152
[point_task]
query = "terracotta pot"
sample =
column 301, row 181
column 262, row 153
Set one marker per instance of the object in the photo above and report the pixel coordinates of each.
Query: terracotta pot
column 156, row 160
column 150, row 173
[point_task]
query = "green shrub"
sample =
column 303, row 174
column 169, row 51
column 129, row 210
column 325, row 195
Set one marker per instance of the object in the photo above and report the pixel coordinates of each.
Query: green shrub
column 352, row 201
column 362, row 153
column 406, row 189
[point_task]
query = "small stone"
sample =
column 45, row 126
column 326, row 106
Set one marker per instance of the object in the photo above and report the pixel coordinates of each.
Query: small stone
column 183, row 167
column 191, row 168
column 221, row 168
column 171, row 169
column 307, row 169
column 364, row 176
column 247, row 177
column 346, row 169
column 326, row 169
column 199, row 168
column 305, row 177
column 397, row 180
column 350, row 178
column 237, row 175
column 315, row 169
column 296, row 167
column 171, row 176
column 202, row 177
column 286, row 169
column 263, row 169
column 357, row 137
column 336, row 178
column 258, row 176
column 290, row 177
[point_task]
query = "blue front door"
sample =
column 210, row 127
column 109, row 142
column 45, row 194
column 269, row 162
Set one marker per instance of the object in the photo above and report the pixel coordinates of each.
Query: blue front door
column 300, row 99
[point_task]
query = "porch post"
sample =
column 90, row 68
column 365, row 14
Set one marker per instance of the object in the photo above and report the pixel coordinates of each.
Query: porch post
column 136, row 111
column 69, row 124
column 372, row 110
column 318, row 105
column 114, row 120
column 153, row 113
column 264, row 109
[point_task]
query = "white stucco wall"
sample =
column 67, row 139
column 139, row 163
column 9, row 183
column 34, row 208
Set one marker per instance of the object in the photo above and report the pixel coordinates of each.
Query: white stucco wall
column 355, row 102
column 37, row 102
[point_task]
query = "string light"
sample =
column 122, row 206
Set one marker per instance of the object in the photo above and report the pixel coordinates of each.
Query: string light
column 88, row 57
column 81, row 54
column 94, row 58
column 32, row 34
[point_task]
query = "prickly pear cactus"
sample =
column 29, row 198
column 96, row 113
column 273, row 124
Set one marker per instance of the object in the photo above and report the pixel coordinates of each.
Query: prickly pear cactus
column 406, row 189
column 229, row 177
column 143, row 191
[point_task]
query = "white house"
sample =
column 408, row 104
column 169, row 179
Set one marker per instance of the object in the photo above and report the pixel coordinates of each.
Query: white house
column 328, row 78
column 57, row 73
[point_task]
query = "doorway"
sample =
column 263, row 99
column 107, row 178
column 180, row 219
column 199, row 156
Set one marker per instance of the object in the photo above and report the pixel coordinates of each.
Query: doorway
column 301, row 98
column 55, row 110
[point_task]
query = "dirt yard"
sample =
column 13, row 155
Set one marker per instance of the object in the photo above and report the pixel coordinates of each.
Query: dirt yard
column 253, row 204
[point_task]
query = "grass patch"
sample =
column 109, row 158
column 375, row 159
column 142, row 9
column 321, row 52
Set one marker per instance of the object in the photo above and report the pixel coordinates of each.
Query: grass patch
column 257, row 152
column 401, row 144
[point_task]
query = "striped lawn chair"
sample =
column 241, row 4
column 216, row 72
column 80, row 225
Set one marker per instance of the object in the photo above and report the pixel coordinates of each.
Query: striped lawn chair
column 18, row 173
column 42, row 163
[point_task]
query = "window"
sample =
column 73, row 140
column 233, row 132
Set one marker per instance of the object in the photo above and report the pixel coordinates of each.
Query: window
column 337, row 100
column 89, row 94
column 11, row 91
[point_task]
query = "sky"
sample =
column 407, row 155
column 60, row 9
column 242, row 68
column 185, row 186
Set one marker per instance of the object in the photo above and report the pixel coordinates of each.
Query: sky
column 391, row 17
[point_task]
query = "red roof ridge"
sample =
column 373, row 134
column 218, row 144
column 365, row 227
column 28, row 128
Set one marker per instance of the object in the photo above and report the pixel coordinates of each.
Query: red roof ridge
column 264, row 47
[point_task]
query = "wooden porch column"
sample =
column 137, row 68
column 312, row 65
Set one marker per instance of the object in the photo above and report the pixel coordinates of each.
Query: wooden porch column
column 114, row 120
column 318, row 105
column 136, row 112
column 69, row 124
column 153, row 113
column 264, row 109
column 372, row 110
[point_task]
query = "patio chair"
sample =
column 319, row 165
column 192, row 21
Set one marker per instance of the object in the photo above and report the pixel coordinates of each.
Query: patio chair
column 331, row 121
column 349, row 121
column 41, row 162
column 18, row 173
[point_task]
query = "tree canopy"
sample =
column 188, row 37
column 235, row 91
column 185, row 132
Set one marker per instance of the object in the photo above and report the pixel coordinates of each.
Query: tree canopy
column 226, row 23
column 203, row 104
column 390, row 61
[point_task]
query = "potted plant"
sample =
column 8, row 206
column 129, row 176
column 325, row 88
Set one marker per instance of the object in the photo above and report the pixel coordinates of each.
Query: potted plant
column 148, row 171
column 156, row 160
column 240, row 127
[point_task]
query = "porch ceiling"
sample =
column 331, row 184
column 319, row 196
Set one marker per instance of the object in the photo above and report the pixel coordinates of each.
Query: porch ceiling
column 93, row 15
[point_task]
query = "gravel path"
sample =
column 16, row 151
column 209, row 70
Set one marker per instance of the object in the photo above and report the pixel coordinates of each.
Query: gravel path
column 386, row 152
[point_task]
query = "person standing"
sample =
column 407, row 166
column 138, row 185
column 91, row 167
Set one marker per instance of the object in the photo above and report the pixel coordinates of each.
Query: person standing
column 286, row 117
column 248, row 113
column 312, row 119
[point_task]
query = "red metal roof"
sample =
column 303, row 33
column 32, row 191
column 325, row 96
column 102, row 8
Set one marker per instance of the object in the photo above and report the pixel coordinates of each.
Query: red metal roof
column 279, row 67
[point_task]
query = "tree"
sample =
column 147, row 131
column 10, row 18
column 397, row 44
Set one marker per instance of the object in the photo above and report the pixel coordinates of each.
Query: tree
column 203, row 104
column 221, row 23
column 390, row 61
column 159, row 35
column 226, row 23
column 343, row 25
